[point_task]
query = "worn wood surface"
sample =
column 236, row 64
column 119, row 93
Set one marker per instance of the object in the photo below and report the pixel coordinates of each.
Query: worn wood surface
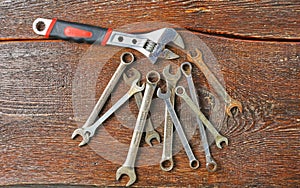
column 39, row 78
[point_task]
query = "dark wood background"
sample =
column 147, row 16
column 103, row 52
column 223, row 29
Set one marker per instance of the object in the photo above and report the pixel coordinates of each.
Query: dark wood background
column 257, row 45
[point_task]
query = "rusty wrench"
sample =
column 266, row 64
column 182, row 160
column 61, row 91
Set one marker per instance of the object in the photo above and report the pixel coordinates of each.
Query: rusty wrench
column 186, row 69
column 150, row 132
column 166, row 162
column 230, row 103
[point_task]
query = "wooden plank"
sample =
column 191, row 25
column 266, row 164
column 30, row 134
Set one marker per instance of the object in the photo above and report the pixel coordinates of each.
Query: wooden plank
column 38, row 86
column 260, row 19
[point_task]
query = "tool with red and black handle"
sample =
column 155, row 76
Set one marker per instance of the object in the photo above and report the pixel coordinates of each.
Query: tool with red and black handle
column 152, row 44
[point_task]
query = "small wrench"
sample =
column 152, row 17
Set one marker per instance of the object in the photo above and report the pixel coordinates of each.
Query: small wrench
column 150, row 132
column 107, row 91
column 194, row 163
column 230, row 103
column 166, row 162
column 88, row 132
column 180, row 91
column 128, row 167
column 186, row 69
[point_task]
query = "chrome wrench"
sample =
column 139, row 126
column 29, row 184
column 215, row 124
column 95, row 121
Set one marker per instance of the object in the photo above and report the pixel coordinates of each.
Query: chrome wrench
column 88, row 132
column 194, row 163
column 104, row 96
column 230, row 103
column 186, row 69
column 128, row 167
column 166, row 162
column 150, row 132
column 180, row 91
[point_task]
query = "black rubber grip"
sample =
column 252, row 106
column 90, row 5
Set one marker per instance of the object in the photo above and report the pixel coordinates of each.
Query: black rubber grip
column 77, row 32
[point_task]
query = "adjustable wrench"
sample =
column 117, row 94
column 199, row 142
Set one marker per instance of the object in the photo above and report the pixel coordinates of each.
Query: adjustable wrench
column 194, row 163
column 104, row 96
column 152, row 44
column 88, row 132
column 230, row 103
column 166, row 162
column 186, row 69
column 180, row 91
column 128, row 167
column 150, row 132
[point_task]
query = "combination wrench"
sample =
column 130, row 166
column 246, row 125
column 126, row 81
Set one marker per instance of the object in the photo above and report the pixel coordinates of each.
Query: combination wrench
column 88, row 132
column 186, row 69
column 194, row 163
column 106, row 93
column 230, row 103
column 166, row 162
column 149, row 129
column 180, row 91
column 152, row 78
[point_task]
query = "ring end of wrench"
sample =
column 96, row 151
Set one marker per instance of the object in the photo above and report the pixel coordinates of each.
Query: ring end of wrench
column 219, row 140
column 167, row 165
column 211, row 166
column 194, row 164
column 233, row 104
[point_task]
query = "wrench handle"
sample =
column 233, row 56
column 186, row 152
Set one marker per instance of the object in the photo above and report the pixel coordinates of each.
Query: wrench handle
column 72, row 31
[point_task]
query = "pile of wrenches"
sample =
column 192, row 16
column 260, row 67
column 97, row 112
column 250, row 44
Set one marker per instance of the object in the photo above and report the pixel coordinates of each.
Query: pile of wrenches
column 144, row 124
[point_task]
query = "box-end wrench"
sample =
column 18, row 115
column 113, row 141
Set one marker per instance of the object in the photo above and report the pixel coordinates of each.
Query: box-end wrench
column 194, row 163
column 186, row 69
column 230, row 103
column 107, row 91
column 150, row 132
column 180, row 91
column 166, row 162
column 128, row 167
column 88, row 132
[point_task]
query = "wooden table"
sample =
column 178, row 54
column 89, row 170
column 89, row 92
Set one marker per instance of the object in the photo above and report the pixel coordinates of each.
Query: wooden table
column 256, row 45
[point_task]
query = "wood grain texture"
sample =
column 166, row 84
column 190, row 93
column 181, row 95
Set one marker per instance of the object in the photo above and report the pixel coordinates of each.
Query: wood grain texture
column 275, row 20
column 37, row 119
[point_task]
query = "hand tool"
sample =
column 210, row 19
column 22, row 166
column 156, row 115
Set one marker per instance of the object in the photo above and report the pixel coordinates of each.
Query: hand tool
column 128, row 167
column 150, row 132
column 186, row 69
column 107, row 91
column 194, row 163
column 230, row 103
column 166, row 162
column 152, row 44
column 180, row 91
column 88, row 132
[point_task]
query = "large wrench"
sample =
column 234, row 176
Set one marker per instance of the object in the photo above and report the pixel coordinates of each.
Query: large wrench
column 128, row 167
column 186, row 69
column 180, row 91
column 150, row 132
column 194, row 163
column 230, row 103
column 166, row 162
column 107, row 91
column 88, row 132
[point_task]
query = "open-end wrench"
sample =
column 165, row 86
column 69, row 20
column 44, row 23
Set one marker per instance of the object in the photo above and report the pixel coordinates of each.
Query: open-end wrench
column 166, row 162
column 186, row 69
column 194, row 163
column 230, row 103
column 107, row 91
column 88, row 132
column 180, row 91
column 150, row 132
column 152, row 44
column 128, row 167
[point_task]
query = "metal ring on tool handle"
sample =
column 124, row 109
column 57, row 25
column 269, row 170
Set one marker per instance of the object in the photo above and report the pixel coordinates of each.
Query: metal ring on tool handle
column 124, row 60
column 211, row 166
column 179, row 90
column 186, row 68
column 153, row 77
column 194, row 164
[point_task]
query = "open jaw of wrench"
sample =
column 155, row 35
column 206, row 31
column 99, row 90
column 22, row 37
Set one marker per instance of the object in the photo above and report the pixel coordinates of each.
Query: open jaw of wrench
column 194, row 163
column 180, row 91
column 166, row 162
column 150, row 132
column 152, row 44
column 88, row 132
column 186, row 69
column 230, row 103
column 125, row 59
column 127, row 168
